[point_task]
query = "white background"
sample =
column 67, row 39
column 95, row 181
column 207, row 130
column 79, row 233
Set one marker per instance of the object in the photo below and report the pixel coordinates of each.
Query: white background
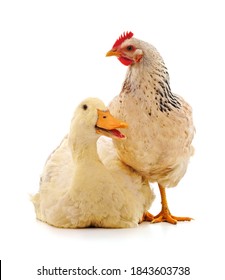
column 52, row 55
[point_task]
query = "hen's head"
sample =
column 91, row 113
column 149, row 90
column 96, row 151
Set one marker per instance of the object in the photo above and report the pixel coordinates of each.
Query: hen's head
column 126, row 49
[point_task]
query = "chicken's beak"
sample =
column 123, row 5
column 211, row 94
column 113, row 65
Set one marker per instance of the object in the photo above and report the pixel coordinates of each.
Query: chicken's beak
column 113, row 53
column 107, row 125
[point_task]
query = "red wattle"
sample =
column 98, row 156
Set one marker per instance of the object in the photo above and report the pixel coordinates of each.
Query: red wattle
column 125, row 61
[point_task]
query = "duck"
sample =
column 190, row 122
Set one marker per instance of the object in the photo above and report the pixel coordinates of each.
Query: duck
column 84, row 184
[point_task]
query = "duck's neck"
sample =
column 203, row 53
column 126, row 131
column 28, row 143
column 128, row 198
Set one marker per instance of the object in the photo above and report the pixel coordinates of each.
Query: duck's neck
column 86, row 166
column 84, row 151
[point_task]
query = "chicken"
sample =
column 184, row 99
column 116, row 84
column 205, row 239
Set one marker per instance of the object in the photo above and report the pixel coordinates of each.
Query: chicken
column 160, row 133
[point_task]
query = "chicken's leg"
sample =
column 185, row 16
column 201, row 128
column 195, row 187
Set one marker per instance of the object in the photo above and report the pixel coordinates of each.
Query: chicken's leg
column 165, row 215
column 147, row 217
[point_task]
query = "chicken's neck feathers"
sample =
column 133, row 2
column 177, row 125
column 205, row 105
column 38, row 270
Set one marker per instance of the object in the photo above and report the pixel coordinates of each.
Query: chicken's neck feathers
column 152, row 78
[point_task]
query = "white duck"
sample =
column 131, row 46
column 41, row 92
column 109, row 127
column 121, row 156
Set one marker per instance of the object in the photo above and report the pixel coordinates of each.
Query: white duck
column 79, row 190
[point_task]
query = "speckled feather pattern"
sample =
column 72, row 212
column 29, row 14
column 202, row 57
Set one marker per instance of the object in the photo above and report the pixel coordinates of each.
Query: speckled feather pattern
column 161, row 129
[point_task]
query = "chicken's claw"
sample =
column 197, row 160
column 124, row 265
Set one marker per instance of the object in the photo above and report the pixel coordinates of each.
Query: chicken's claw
column 165, row 216
column 148, row 217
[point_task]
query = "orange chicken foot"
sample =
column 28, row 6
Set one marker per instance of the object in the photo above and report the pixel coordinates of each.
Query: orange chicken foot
column 147, row 217
column 165, row 215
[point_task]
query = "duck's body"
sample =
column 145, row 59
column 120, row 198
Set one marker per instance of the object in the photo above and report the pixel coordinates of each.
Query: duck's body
column 78, row 189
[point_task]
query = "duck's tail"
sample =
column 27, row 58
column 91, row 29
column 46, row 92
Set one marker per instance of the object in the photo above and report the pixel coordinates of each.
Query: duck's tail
column 36, row 201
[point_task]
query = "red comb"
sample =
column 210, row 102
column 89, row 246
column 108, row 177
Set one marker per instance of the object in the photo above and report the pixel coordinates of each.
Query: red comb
column 122, row 38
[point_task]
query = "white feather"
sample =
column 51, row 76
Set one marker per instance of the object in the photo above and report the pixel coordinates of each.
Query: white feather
column 80, row 188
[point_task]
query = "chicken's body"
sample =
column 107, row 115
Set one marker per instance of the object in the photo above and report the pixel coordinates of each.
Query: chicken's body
column 161, row 129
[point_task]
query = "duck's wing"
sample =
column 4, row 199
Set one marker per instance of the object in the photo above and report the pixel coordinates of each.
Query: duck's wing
column 137, row 188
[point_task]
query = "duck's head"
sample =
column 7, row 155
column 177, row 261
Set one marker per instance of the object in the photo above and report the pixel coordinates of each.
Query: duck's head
column 92, row 119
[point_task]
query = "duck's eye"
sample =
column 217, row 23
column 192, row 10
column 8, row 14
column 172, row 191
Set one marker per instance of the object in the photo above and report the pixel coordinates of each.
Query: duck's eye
column 129, row 48
column 104, row 117
column 85, row 107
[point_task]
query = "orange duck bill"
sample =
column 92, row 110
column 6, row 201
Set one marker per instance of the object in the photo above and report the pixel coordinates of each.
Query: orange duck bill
column 107, row 125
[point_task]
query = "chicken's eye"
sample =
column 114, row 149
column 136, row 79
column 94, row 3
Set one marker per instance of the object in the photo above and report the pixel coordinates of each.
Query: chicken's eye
column 129, row 48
